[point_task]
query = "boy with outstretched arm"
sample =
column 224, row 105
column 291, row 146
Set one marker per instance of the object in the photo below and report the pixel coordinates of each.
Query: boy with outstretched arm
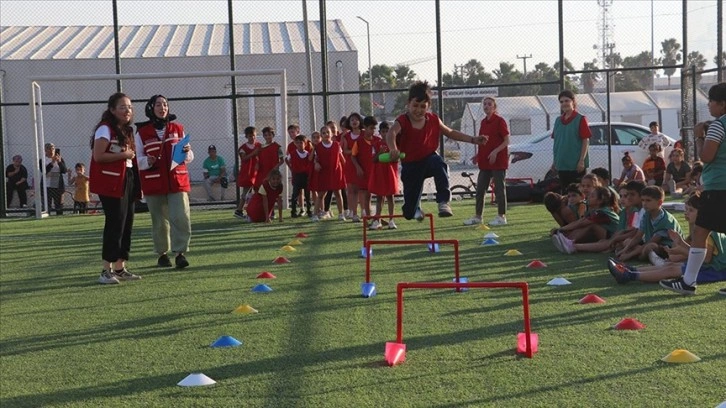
column 416, row 133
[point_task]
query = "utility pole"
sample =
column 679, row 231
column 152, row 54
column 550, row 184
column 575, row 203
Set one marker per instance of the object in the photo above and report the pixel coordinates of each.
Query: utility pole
column 524, row 59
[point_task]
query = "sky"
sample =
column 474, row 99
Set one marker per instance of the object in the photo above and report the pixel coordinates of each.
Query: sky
column 404, row 31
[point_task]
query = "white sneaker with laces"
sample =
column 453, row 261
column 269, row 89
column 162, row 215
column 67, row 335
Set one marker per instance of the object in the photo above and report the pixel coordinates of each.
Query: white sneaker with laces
column 419, row 215
column 375, row 225
column 473, row 221
column 326, row 216
column 445, row 210
column 655, row 259
column 107, row 277
column 498, row 220
column 391, row 224
column 314, row 218
column 341, row 217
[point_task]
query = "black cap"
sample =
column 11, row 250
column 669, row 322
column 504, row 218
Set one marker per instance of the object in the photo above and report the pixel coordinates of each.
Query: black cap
column 212, row 147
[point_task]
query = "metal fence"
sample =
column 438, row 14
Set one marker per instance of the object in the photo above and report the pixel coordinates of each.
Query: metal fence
column 327, row 81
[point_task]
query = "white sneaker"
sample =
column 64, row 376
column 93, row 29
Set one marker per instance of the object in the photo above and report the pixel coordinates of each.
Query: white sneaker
column 473, row 221
column 392, row 224
column 498, row 220
column 326, row 216
column 419, row 215
column 314, row 218
column 107, row 277
column 375, row 225
column 347, row 213
column 355, row 218
column 341, row 217
column 655, row 259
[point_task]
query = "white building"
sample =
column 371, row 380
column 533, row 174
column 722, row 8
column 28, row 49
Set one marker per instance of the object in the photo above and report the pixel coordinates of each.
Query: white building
column 27, row 52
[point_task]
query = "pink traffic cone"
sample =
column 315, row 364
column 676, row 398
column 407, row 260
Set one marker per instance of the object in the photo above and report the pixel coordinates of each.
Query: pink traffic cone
column 395, row 353
column 591, row 298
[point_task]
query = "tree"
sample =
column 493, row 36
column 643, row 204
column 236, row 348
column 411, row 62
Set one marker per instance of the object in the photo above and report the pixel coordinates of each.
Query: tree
column 636, row 80
column 383, row 77
column 696, row 59
column 589, row 79
column 671, row 56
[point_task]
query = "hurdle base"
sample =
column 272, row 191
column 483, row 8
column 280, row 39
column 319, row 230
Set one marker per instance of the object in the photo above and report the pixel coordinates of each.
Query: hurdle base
column 368, row 289
column 395, row 353
column 522, row 343
column 462, row 279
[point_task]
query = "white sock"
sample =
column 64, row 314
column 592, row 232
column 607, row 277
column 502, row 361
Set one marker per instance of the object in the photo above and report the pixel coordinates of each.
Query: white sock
column 696, row 256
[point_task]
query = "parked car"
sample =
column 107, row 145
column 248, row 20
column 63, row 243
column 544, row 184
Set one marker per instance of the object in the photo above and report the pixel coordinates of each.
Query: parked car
column 533, row 159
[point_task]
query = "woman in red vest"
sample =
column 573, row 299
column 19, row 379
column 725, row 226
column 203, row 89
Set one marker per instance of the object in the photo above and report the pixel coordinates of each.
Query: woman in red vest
column 165, row 188
column 113, row 176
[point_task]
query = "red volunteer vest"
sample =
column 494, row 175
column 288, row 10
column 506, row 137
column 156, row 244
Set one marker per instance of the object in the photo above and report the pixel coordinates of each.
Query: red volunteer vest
column 107, row 179
column 159, row 179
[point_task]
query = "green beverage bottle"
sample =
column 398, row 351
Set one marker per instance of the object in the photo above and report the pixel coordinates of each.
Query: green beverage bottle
column 386, row 157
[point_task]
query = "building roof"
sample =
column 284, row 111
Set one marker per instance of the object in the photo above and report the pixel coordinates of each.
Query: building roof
column 149, row 41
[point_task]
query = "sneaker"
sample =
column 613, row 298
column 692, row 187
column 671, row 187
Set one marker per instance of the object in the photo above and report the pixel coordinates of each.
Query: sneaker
column 419, row 215
column 181, row 261
column 375, row 225
column 618, row 270
column 722, row 292
column 294, row 214
column 567, row 244
column 355, row 218
column 498, row 220
column 556, row 242
column 341, row 217
column 655, row 259
column 239, row 214
column 445, row 210
column 125, row 275
column 473, row 221
column 326, row 215
column 392, row 225
column 107, row 277
column 163, row 261
column 677, row 285
column 314, row 218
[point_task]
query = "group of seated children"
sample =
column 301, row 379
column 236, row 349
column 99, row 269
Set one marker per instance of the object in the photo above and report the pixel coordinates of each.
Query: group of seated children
column 635, row 229
column 326, row 165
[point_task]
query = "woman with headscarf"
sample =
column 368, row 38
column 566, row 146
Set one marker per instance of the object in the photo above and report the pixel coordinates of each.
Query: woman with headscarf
column 165, row 187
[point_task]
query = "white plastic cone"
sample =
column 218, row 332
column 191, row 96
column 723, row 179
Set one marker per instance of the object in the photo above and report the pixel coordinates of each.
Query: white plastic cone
column 559, row 282
column 196, row 380
column 491, row 235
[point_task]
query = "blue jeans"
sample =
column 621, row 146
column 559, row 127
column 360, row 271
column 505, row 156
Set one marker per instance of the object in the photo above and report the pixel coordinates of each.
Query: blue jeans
column 413, row 175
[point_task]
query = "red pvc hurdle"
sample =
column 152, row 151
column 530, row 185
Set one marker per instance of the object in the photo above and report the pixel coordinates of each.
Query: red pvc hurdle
column 378, row 217
column 368, row 245
column 446, row 285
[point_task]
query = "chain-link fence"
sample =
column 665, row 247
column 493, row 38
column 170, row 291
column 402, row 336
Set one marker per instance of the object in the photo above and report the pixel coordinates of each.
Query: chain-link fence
column 360, row 62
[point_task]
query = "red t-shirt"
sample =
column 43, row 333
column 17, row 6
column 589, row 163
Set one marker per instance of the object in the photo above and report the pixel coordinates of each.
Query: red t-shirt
column 496, row 128
column 418, row 143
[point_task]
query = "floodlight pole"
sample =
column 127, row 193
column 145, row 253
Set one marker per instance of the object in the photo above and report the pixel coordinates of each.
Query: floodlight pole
column 370, row 69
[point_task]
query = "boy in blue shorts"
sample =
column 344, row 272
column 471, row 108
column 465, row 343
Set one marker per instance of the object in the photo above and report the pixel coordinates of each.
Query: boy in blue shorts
column 416, row 133
column 652, row 235
column 712, row 149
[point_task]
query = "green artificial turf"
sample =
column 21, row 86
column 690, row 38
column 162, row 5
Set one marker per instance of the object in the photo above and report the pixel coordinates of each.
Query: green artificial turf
column 66, row 341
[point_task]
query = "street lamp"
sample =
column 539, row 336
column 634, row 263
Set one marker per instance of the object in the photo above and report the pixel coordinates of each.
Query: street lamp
column 370, row 70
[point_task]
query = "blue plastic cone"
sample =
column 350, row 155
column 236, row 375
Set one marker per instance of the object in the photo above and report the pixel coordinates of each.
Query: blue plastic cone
column 368, row 289
column 363, row 252
column 434, row 248
column 226, row 341
column 462, row 279
column 490, row 241
column 262, row 288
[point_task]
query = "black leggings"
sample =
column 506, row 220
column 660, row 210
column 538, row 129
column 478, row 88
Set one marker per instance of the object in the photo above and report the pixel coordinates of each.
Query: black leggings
column 119, row 213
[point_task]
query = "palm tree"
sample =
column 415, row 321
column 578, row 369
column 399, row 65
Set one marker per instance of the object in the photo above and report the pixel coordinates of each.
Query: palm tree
column 696, row 59
column 671, row 56
column 589, row 79
column 723, row 60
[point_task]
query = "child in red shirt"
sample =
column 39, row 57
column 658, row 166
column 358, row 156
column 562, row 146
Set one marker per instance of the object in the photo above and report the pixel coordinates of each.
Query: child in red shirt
column 262, row 204
column 247, row 168
column 383, row 180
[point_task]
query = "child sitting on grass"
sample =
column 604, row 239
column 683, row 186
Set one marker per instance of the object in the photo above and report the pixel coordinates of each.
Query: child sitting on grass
column 629, row 219
column 599, row 223
column 713, row 269
column 558, row 205
column 652, row 236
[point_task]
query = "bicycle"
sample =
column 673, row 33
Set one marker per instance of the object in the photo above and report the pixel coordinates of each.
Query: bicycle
column 460, row 191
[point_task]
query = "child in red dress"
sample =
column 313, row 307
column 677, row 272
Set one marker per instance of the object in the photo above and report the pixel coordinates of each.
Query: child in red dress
column 383, row 180
column 362, row 158
column 248, row 167
column 262, row 204
column 328, row 172
column 270, row 156
column 353, row 181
